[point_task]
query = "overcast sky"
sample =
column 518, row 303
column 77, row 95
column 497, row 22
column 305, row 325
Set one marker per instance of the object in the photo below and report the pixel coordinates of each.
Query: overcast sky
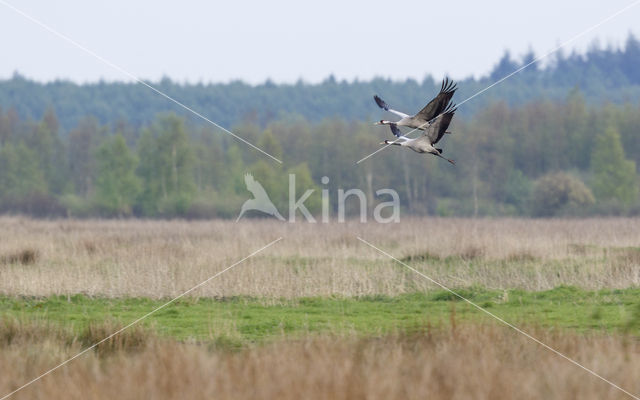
column 284, row 40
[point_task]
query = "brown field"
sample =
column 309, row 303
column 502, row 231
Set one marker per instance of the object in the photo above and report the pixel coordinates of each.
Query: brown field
column 451, row 363
column 164, row 258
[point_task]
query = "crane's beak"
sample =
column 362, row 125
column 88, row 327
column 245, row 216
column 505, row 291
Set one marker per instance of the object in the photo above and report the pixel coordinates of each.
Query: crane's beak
column 377, row 123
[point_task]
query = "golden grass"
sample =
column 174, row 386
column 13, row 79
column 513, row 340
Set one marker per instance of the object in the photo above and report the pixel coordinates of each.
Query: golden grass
column 467, row 361
column 18, row 333
column 164, row 258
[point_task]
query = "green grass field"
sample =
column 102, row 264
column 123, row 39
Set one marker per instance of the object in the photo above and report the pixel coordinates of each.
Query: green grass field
column 242, row 320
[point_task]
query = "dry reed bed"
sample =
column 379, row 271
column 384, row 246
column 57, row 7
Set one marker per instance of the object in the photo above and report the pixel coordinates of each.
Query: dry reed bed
column 164, row 258
column 467, row 361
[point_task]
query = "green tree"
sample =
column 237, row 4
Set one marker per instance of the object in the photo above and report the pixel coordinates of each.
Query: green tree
column 269, row 173
column 117, row 186
column 209, row 167
column 149, row 194
column 82, row 144
column 304, row 182
column 517, row 190
column 20, row 174
column 269, row 144
column 50, row 150
column 578, row 132
column 235, row 171
column 166, row 168
column 614, row 176
column 5, row 129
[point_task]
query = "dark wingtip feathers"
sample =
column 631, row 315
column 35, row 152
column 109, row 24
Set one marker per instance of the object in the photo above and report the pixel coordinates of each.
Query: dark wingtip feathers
column 381, row 103
column 451, row 108
column 394, row 129
column 448, row 86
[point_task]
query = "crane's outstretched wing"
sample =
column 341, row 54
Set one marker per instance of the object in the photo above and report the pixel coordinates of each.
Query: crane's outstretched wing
column 382, row 104
column 439, row 125
column 255, row 187
column 438, row 104
column 395, row 130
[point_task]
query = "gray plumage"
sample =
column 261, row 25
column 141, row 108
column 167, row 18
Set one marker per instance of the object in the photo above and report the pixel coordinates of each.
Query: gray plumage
column 420, row 120
column 431, row 135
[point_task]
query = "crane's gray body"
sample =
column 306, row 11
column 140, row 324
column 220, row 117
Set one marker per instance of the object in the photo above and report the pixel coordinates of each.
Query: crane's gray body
column 420, row 145
column 413, row 122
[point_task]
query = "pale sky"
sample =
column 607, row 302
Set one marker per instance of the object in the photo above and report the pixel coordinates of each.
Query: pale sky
column 284, row 40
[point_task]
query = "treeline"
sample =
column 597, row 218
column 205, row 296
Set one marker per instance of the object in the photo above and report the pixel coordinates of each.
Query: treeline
column 539, row 159
column 602, row 74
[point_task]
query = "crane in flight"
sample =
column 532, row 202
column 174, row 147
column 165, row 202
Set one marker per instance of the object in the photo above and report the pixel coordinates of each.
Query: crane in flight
column 431, row 135
column 421, row 120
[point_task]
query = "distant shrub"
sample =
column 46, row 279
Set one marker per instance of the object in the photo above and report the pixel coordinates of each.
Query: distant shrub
column 633, row 322
column 77, row 206
column 559, row 193
column 471, row 253
column 36, row 204
column 135, row 338
column 517, row 190
column 22, row 331
column 23, row 257
column 211, row 204
column 426, row 256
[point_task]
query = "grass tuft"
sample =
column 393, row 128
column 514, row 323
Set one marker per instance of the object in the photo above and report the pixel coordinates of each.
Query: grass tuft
column 26, row 256
column 132, row 339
